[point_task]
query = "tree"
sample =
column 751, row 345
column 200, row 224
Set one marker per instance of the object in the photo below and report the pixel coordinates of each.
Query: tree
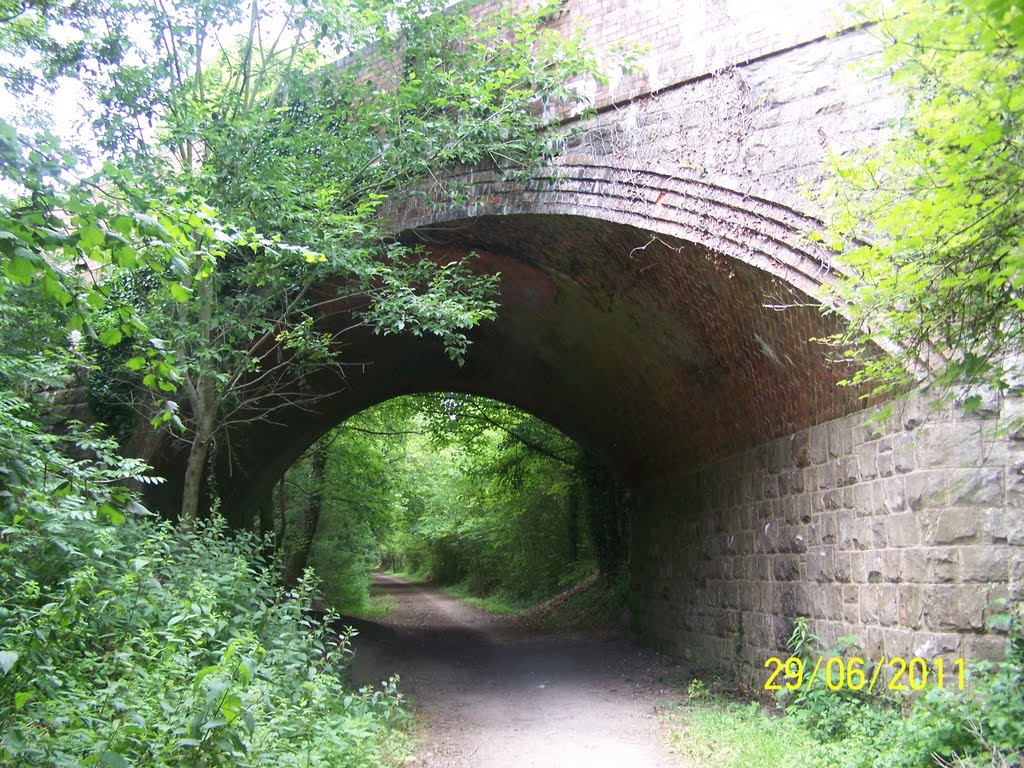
column 299, row 555
column 359, row 489
column 505, row 503
column 220, row 137
column 930, row 222
column 522, row 454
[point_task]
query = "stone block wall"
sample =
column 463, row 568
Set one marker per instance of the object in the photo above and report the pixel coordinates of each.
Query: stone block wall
column 902, row 534
column 765, row 124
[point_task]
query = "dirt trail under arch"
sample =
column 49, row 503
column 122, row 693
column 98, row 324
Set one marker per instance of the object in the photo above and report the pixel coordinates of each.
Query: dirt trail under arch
column 495, row 694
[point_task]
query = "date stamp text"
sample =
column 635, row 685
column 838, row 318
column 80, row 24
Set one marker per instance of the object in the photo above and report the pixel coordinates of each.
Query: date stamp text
column 856, row 674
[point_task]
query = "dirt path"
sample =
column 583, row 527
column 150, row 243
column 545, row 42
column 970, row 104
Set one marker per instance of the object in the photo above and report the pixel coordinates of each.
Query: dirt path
column 495, row 695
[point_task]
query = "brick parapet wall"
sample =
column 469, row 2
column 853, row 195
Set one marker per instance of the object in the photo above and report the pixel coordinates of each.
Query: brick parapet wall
column 902, row 537
column 678, row 41
column 724, row 162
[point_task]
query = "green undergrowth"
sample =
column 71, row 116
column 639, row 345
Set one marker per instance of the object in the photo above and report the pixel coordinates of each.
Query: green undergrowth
column 599, row 600
column 375, row 607
column 142, row 645
column 981, row 726
column 495, row 603
column 717, row 732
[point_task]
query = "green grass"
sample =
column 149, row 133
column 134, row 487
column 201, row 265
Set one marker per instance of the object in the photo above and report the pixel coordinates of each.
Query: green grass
column 594, row 601
column 375, row 607
column 496, row 603
column 721, row 734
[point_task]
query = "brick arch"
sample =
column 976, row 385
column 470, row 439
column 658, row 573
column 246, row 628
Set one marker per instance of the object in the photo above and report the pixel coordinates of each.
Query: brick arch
column 766, row 229
column 662, row 318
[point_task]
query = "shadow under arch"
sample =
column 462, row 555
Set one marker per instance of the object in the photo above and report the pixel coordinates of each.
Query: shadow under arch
column 661, row 320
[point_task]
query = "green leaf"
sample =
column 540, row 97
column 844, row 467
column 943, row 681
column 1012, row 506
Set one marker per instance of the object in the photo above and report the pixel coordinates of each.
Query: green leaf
column 114, row 760
column 204, row 672
column 111, row 336
column 21, row 698
column 136, row 363
column 125, row 256
column 52, row 289
column 111, row 514
column 90, row 237
column 179, row 292
column 216, row 722
column 123, row 225
column 21, row 265
column 231, row 707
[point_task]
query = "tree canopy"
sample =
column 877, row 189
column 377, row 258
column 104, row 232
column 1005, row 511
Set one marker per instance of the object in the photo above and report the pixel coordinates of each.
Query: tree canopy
column 175, row 257
column 244, row 167
column 463, row 490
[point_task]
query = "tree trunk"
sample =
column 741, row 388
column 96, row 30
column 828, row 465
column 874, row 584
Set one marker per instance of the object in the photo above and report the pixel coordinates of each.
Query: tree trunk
column 202, row 399
column 282, row 511
column 194, row 478
column 310, row 520
column 264, row 521
column 573, row 503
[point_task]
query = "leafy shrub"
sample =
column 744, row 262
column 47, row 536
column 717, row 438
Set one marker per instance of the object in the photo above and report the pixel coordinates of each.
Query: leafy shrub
column 983, row 725
column 163, row 647
column 126, row 642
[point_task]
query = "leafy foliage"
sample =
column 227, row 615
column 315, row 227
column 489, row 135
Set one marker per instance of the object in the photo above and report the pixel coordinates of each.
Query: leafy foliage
column 981, row 725
column 203, row 661
column 125, row 642
column 362, row 496
column 461, row 490
column 236, row 213
column 226, row 120
column 504, row 515
column 929, row 221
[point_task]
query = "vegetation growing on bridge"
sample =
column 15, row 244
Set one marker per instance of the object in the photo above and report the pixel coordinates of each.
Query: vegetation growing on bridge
column 938, row 208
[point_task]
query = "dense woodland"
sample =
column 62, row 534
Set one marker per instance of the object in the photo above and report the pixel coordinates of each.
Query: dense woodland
column 461, row 491
column 163, row 256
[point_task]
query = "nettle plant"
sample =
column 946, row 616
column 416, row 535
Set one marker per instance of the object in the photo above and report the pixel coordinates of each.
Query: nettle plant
column 982, row 724
column 200, row 659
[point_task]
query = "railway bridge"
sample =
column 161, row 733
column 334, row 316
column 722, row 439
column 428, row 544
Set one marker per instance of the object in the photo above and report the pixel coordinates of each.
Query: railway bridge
column 658, row 297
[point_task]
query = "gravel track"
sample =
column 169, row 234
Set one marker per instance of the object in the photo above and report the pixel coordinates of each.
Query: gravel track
column 493, row 694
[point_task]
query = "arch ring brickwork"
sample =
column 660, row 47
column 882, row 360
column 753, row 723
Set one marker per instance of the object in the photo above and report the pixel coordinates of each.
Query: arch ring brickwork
column 724, row 215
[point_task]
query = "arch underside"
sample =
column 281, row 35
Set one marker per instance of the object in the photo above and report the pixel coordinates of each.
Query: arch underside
column 663, row 331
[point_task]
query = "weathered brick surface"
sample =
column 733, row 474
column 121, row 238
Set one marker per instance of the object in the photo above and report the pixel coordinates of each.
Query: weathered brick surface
column 911, row 560
column 763, row 125
column 723, row 161
column 686, row 40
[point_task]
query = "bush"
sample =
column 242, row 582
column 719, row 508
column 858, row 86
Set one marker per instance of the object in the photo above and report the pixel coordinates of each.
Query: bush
column 983, row 725
column 162, row 647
